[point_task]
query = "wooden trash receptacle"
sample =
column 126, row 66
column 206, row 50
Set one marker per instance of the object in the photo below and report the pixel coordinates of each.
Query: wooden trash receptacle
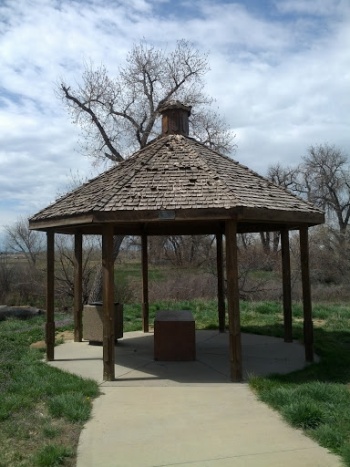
column 93, row 322
column 174, row 336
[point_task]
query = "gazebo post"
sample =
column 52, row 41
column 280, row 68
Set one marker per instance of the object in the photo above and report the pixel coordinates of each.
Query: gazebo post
column 78, row 287
column 220, row 273
column 145, row 306
column 108, row 303
column 287, row 291
column 183, row 199
column 233, row 301
column 50, row 296
column 305, row 276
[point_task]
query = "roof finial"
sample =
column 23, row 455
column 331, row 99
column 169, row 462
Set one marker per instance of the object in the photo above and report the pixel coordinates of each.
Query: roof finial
column 175, row 118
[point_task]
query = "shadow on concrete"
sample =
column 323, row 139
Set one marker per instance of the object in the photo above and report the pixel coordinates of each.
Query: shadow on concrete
column 135, row 364
column 333, row 348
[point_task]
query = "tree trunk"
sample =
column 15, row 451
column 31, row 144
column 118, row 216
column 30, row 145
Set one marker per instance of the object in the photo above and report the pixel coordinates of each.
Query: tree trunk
column 265, row 240
column 97, row 285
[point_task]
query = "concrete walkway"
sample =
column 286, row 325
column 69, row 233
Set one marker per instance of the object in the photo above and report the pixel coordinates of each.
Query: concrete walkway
column 188, row 413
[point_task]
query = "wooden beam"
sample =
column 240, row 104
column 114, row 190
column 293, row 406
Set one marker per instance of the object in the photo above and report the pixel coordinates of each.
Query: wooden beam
column 199, row 227
column 281, row 216
column 50, row 296
column 42, row 224
column 251, row 227
column 221, row 284
column 305, row 276
column 78, row 287
column 182, row 228
column 108, row 304
column 145, row 301
column 233, row 301
column 160, row 215
column 287, row 289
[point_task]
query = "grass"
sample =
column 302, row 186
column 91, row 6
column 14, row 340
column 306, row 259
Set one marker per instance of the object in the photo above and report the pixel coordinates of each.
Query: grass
column 125, row 271
column 42, row 409
column 204, row 312
column 317, row 398
column 52, row 455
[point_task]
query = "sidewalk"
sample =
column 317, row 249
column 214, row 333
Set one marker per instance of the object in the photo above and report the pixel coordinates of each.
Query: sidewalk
column 188, row 413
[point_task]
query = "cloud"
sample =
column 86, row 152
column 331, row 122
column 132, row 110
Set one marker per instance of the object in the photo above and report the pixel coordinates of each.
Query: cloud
column 279, row 73
column 281, row 106
column 314, row 8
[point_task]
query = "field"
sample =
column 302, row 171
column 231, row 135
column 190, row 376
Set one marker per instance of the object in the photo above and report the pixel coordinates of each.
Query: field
column 42, row 410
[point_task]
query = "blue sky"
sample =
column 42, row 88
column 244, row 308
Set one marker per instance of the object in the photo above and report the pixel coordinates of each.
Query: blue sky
column 280, row 74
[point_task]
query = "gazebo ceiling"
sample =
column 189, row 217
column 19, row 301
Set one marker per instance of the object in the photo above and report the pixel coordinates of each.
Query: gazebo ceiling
column 174, row 184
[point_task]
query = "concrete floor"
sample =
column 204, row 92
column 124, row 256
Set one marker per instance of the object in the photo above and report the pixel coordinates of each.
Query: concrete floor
column 188, row 413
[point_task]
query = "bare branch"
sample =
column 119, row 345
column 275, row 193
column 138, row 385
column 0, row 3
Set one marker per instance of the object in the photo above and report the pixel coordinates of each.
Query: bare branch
column 114, row 156
column 20, row 239
column 120, row 115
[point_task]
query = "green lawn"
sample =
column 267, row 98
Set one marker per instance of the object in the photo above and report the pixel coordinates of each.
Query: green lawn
column 316, row 399
column 42, row 409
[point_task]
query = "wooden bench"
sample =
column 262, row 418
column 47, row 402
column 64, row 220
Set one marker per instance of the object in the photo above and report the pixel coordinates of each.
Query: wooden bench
column 174, row 336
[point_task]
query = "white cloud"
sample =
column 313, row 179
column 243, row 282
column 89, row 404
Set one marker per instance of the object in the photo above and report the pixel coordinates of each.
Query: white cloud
column 314, row 7
column 280, row 79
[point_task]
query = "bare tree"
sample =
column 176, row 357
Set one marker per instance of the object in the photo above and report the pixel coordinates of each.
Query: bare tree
column 7, row 276
column 119, row 115
column 288, row 178
column 188, row 249
column 20, row 239
column 64, row 271
column 270, row 241
column 325, row 178
column 21, row 280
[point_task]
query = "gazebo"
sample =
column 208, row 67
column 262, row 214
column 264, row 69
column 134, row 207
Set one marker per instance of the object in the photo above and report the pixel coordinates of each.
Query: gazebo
column 177, row 186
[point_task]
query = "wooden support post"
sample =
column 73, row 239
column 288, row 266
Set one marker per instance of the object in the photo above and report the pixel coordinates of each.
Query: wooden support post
column 78, row 287
column 221, row 287
column 50, row 297
column 287, row 289
column 145, row 304
column 305, row 276
column 108, row 303
column 233, row 301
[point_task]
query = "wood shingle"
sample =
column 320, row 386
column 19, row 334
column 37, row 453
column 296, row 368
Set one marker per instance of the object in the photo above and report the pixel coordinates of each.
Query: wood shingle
column 175, row 172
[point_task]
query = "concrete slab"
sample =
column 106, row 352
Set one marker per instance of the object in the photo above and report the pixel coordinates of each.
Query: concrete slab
column 188, row 413
column 135, row 364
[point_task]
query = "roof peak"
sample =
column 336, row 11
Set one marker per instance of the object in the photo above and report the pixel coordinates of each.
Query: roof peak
column 175, row 118
column 173, row 104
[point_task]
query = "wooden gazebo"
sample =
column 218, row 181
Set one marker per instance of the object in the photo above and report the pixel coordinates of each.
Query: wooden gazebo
column 177, row 186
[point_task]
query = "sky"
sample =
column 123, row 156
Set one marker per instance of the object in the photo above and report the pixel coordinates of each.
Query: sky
column 280, row 75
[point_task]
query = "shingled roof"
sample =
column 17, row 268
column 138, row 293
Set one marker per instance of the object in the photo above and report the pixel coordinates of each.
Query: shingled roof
column 174, row 186
column 177, row 174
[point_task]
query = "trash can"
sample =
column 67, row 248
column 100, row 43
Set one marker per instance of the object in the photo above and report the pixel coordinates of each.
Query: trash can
column 93, row 322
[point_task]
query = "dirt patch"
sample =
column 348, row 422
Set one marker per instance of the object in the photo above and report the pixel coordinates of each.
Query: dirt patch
column 61, row 337
column 316, row 322
column 65, row 335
